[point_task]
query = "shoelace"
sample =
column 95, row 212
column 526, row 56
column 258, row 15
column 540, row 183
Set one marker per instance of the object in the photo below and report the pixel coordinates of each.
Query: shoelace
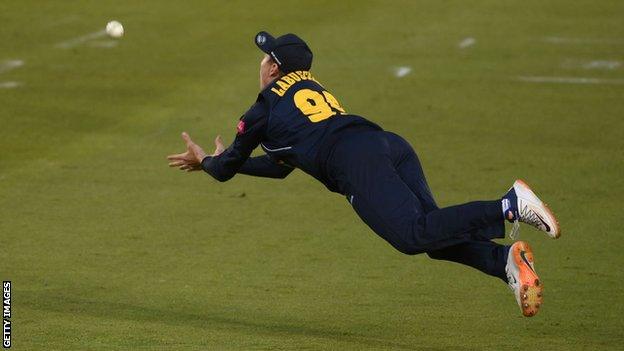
column 514, row 234
column 529, row 217
column 526, row 216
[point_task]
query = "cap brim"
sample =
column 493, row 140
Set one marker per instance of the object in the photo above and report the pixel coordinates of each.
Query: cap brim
column 265, row 42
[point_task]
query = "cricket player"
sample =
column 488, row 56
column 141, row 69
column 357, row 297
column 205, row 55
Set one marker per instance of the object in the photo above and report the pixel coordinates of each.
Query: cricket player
column 300, row 124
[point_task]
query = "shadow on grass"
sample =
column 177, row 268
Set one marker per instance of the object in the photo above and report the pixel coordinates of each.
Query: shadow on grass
column 222, row 319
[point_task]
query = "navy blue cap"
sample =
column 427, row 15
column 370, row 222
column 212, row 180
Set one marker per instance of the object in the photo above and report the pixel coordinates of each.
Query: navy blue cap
column 289, row 51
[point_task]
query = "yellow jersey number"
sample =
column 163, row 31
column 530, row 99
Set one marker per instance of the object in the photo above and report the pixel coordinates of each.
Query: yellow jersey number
column 316, row 106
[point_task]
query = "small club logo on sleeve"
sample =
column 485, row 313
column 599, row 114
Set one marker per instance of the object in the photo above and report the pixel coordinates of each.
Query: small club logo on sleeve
column 240, row 128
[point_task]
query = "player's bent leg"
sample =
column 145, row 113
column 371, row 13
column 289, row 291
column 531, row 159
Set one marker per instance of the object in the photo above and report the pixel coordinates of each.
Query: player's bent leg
column 397, row 216
column 407, row 165
column 398, row 232
column 363, row 168
column 392, row 211
column 523, row 280
column 486, row 256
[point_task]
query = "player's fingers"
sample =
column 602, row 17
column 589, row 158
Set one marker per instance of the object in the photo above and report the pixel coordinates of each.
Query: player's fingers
column 176, row 163
column 176, row 156
column 187, row 138
column 219, row 145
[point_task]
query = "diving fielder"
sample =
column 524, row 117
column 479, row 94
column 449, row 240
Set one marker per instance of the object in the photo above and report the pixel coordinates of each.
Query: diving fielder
column 300, row 124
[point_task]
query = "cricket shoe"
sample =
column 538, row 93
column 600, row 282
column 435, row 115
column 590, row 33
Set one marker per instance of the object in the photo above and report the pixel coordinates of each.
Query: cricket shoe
column 523, row 279
column 520, row 204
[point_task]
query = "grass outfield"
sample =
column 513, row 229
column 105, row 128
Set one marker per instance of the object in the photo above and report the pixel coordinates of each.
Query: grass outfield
column 109, row 249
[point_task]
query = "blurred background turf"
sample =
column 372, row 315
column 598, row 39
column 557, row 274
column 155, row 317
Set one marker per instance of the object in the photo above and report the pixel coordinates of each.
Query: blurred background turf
column 107, row 248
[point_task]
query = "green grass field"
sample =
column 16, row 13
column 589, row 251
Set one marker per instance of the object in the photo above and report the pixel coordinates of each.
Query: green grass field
column 109, row 249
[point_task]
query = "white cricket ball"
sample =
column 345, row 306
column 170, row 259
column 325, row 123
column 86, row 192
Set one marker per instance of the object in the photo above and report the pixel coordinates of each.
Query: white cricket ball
column 114, row 29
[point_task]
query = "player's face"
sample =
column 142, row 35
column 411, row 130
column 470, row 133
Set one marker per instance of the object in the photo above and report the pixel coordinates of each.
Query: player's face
column 268, row 71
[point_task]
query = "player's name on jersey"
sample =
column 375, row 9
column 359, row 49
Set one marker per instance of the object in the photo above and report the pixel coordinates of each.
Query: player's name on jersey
column 288, row 80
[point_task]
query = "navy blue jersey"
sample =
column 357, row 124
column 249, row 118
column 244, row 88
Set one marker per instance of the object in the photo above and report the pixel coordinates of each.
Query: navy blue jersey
column 296, row 122
column 302, row 116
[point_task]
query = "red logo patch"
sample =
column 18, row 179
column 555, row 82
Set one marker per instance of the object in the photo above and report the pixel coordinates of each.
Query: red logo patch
column 240, row 128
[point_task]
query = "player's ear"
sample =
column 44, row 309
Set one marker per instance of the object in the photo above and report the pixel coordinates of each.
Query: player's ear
column 274, row 70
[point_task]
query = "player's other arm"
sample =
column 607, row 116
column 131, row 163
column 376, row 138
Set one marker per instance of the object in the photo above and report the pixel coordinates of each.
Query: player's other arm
column 265, row 166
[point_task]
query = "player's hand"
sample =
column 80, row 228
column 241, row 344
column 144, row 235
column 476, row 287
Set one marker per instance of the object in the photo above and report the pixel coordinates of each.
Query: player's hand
column 191, row 159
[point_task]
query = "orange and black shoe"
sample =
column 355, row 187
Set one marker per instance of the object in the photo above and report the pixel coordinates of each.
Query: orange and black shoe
column 522, row 278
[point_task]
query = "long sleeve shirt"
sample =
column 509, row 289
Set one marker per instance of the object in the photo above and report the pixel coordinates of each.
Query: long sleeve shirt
column 296, row 122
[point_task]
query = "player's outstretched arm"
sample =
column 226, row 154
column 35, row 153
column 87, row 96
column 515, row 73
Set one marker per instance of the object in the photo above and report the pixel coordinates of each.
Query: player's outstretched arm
column 224, row 163
column 191, row 160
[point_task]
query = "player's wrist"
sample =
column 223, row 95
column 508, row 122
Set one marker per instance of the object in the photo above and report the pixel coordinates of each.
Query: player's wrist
column 200, row 157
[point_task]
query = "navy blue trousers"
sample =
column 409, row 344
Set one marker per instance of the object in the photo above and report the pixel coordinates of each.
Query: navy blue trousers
column 381, row 176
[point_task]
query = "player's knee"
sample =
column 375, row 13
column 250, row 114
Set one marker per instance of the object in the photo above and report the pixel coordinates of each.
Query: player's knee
column 408, row 243
column 409, row 248
column 404, row 237
column 414, row 244
column 436, row 255
column 411, row 251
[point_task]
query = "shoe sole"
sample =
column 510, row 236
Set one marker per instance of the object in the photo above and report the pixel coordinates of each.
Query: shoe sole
column 549, row 212
column 531, row 288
